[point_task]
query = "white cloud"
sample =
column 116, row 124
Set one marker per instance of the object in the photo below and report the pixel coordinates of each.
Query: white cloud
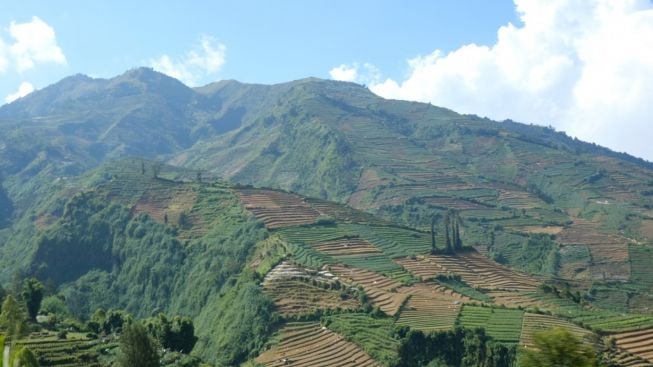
column 345, row 73
column 4, row 58
column 35, row 42
column 585, row 67
column 205, row 59
column 363, row 74
column 24, row 89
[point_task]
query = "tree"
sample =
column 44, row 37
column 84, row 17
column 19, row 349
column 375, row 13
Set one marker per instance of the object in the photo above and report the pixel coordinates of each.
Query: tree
column 560, row 348
column 24, row 358
column 137, row 348
column 447, row 222
column 492, row 239
column 13, row 317
column 156, row 169
column 3, row 294
column 433, row 233
column 183, row 337
column 33, row 295
column 114, row 321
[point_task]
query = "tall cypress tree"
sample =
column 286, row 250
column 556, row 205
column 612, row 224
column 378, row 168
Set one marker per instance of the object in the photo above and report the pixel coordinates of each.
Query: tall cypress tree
column 447, row 220
column 433, row 244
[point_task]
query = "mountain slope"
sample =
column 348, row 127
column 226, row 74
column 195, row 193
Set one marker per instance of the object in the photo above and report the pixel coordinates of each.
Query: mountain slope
column 530, row 198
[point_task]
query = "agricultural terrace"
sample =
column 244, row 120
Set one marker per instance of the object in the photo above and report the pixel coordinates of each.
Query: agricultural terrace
column 380, row 290
column 305, row 344
column 277, row 209
column 502, row 324
column 166, row 201
column 612, row 322
column 392, row 241
column 641, row 258
column 639, row 343
column 515, row 299
column 429, row 309
column 475, row 269
column 342, row 213
column 609, row 252
column 76, row 351
column 534, row 323
column 299, row 291
column 376, row 336
column 346, row 246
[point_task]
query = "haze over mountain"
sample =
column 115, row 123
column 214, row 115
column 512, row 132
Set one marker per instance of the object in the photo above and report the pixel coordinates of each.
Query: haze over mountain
column 109, row 194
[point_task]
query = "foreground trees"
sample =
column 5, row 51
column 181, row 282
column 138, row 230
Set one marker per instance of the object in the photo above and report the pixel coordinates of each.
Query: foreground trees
column 137, row 348
column 558, row 347
column 13, row 318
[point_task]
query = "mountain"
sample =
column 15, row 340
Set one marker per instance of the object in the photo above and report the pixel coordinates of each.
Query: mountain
column 542, row 221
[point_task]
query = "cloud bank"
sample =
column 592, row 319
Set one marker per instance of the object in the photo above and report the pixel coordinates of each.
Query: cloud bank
column 205, row 59
column 582, row 66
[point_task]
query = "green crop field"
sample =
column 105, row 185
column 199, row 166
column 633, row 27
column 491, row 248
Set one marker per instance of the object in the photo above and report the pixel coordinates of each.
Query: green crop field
column 376, row 336
column 641, row 260
column 503, row 325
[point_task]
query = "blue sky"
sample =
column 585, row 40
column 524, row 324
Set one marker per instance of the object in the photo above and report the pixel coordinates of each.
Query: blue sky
column 266, row 41
column 582, row 66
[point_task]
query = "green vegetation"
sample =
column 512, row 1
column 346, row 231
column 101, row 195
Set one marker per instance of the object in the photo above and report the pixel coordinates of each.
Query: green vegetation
column 557, row 347
column 137, row 348
column 80, row 234
column 377, row 336
column 641, row 258
column 457, row 284
column 33, row 295
column 504, row 325
column 539, row 254
column 464, row 347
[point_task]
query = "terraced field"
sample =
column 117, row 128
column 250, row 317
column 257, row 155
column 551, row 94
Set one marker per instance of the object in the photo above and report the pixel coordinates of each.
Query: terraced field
column 346, row 246
column 277, row 209
column 430, row 308
column 305, row 344
column 74, row 352
column 166, row 201
column 374, row 335
column 611, row 322
column 504, row 325
column 609, row 252
column 534, row 323
column 641, row 258
column 297, row 291
column 639, row 343
column 380, row 290
column 475, row 269
column 342, row 213
column 378, row 263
